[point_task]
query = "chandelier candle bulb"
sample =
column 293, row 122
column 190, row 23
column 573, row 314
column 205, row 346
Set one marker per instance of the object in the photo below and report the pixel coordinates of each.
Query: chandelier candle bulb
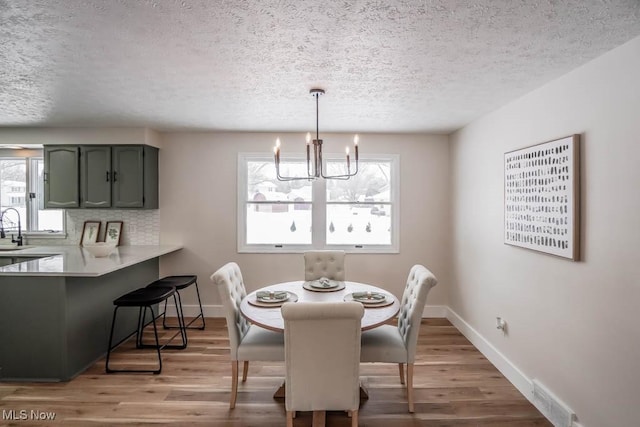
column 276, row 150
column 355, row 144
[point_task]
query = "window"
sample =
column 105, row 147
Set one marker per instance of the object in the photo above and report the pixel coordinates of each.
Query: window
column 22, row 188
column 357, row 215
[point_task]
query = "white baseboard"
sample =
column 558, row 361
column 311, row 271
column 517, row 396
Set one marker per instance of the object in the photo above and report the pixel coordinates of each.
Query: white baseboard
column 504, row 365
column 523, row 383
column 435, row 311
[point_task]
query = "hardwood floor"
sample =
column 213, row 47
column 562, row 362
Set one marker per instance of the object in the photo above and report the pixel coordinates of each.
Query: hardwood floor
column 455, row 385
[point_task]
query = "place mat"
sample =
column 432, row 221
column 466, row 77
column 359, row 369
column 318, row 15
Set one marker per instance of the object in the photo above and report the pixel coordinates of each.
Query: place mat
column 272, row 296
column 318, row 286
column 370, row 299
column 276, row 302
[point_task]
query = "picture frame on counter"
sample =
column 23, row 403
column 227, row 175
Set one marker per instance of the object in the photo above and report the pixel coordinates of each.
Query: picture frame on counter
column 90, row 232
column 113, row 233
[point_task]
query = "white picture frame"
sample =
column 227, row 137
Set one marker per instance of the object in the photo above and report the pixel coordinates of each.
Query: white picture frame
column 542, row 197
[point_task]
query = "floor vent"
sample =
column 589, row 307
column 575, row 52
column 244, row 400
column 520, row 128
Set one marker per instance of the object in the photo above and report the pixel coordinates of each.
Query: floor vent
column 551, row 407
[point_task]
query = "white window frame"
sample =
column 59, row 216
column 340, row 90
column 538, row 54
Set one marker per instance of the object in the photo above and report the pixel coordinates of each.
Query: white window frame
column 28, row 224
column 318, row 210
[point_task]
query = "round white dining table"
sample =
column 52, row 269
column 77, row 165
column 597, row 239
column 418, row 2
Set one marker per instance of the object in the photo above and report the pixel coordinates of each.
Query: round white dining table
column 271, row 317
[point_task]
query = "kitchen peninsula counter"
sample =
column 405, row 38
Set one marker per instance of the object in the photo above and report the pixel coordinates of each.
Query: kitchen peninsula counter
column 74, row 261
column 56, row 311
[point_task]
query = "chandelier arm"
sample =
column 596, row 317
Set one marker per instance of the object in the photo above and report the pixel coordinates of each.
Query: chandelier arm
column 293, row 178
column 288, row 178
column 344, row 176
column 338, row 177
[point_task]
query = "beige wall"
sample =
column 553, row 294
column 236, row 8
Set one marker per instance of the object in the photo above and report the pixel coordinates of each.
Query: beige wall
column 198, row 175
column 572, row 325
column 27, row 136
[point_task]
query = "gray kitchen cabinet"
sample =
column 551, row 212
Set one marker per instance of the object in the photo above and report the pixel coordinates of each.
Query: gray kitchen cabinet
column 61, row 177
column 108, row 176
column 95, row 176
column 135, row 176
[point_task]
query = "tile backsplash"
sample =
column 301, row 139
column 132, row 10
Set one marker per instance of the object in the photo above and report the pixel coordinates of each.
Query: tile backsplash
column 139, row 227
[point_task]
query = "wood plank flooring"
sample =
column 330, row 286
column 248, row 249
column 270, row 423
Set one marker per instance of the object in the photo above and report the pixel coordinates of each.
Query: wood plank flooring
column 455, row 385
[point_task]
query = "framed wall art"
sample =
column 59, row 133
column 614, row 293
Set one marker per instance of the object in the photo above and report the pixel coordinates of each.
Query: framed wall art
column 90, row 232
column 113, row 234
column 542, row 197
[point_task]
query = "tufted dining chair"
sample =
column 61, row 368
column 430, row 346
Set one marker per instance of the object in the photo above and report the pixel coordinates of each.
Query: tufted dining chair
column 397, row 344
column 246, row 342
column 322, row 358
column 329, row 264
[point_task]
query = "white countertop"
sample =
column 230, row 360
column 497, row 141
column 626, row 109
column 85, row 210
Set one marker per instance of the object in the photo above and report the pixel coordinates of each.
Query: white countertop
column 75, row 261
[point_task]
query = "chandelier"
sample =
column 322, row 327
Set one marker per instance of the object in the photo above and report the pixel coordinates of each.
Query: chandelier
column 317, row 170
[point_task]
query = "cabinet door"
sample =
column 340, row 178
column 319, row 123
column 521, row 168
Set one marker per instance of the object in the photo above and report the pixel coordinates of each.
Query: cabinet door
column 95, row 176
column 61, row 184
column 128, row 176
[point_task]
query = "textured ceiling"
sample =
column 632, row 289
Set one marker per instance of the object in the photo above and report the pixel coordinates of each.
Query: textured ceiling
column 387, row 66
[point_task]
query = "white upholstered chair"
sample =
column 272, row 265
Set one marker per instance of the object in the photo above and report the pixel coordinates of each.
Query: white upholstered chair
column 322, row 358
column 247, row 342
column 329, row 264
column 397, row 344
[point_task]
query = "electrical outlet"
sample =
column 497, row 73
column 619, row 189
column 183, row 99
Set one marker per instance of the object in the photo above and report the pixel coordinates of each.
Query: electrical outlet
column 131, row 228
column 501, row 324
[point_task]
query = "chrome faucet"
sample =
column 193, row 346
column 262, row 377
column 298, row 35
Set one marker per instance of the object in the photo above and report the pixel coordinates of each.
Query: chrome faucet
column 3, row 234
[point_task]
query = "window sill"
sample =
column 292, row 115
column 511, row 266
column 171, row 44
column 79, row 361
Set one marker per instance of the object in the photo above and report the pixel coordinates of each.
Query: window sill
column 292, row 249
column 45, row 235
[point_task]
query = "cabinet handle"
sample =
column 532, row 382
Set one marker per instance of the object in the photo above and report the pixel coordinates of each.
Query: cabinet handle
column 115, row 176
column 107, row 176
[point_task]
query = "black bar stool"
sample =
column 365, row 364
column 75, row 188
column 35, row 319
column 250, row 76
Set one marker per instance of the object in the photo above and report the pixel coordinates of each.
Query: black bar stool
column 145, row 298
column 180, row 283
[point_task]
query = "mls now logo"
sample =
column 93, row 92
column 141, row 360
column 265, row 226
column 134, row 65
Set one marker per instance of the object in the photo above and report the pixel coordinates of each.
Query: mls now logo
column 23, row 415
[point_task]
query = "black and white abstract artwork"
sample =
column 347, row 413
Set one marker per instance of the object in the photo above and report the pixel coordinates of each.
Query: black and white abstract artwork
column 541, row 197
